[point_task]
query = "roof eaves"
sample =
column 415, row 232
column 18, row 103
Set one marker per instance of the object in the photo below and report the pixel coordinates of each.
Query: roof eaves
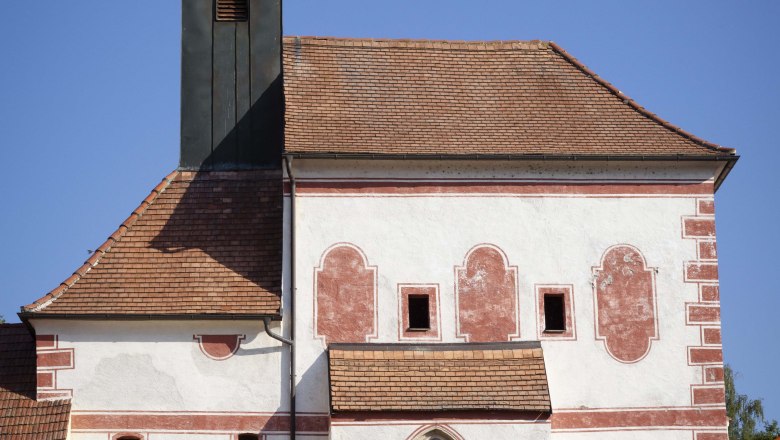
column 451, row 346
column 412, row 43
column 93, row 260
column 730, row 159
column 572, row 157
column 633, row 104
column 151, row 317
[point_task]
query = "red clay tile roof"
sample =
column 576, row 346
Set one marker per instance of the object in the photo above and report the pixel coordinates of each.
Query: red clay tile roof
column 443, row 377
column 352, row 96
column 205, row 243
column 21, row 417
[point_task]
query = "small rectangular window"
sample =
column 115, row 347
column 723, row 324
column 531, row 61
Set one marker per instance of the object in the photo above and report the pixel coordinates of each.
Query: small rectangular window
column 554, row 313
column 232, row 10
column 419, row 312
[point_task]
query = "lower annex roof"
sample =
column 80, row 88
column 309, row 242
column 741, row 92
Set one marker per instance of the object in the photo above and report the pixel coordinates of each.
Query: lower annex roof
column 438, row 377
column 202, row 243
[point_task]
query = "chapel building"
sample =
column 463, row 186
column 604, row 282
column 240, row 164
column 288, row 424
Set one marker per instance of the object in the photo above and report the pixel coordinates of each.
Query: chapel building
column 390, row 239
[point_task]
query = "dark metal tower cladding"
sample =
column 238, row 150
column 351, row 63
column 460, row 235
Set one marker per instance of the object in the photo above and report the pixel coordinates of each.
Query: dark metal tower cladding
column 232, row 103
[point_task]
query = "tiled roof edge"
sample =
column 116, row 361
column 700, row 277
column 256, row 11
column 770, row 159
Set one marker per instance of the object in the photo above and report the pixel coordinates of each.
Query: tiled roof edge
column 93, row 260
column 417, row 43
column 437, row 346
column 633, row 104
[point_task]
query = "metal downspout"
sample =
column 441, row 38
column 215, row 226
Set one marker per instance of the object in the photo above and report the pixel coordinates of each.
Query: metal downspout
column 291, row 176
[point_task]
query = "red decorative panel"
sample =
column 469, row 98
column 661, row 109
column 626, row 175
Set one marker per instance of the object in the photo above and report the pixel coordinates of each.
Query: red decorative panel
column 711, row 336
column 55, row 360
column 219, row 347
column 46, row 379
column 698, row 271
column 708, row 395
column 568, row 301
column 706, row 314
column 625, row 305
column 713, row 374
column 345, row 295
column 708, row 250
column 710, row 292
column 705, row 355
column 706, row 207
column 486, row 296
column 45, row 341
column 432, row 292
column 698, row 227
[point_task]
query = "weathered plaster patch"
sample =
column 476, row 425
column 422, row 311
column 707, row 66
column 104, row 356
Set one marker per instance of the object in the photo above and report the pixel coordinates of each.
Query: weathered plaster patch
column 145, row 383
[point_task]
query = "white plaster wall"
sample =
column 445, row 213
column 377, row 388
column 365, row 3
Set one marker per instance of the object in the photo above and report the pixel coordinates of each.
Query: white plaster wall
column 157, row 366
column 469, row 431
column 551, row 240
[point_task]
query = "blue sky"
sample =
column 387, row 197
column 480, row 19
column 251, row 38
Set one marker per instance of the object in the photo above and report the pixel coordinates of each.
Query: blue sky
column 89, row 120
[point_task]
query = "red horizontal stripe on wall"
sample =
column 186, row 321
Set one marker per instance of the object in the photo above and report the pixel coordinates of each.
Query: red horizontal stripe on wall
column 198, row 422
column 640, row 418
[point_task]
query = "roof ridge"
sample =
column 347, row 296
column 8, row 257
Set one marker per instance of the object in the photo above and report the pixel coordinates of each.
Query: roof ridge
column 96, row 256
column 414, row 43
column 633, row 104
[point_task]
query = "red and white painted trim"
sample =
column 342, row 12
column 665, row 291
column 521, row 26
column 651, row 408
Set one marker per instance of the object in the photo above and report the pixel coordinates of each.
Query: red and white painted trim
column 705, row 313
column 51, row 358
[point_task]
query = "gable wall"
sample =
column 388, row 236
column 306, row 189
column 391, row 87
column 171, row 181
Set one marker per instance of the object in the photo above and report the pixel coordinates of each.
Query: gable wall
column 413, row 223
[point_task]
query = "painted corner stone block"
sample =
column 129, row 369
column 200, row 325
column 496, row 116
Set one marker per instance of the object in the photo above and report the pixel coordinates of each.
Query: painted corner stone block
column 625, row 303
column 345, row 295
column 486, row 290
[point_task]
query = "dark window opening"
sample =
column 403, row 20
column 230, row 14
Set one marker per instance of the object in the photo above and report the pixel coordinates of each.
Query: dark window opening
column 129, row 437
column 248, row 437
column 232, row 10
column 554, row 313
column 419, row 312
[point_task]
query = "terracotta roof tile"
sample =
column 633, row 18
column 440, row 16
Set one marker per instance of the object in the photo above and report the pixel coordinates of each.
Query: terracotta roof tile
column 201, row 243
column 347, row 96
column 21, row 417
column 403, row 377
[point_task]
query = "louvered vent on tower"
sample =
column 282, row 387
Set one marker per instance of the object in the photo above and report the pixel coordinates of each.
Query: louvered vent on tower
column 232, row 10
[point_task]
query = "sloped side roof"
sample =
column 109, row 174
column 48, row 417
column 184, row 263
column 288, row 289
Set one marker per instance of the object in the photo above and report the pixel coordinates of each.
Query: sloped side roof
column 404, row 377
column 202, row 243
column 351, row 96
column 21, row 417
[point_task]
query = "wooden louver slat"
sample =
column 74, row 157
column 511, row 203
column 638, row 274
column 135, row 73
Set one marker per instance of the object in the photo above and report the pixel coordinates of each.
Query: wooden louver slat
column 232, row 10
